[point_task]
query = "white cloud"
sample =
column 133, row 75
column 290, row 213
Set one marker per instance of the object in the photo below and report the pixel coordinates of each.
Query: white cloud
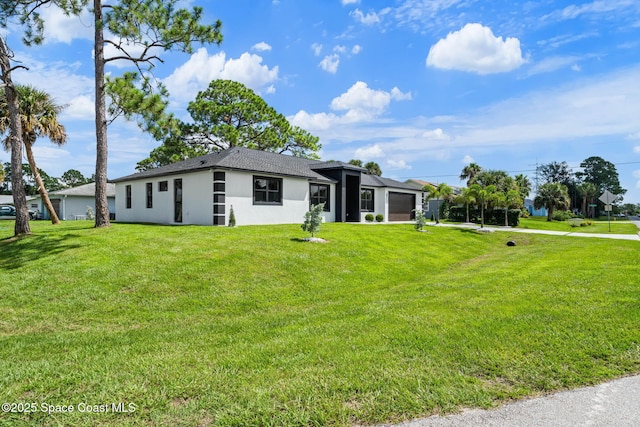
column 261, row 47
column 64, row 29
column 468, row 159
column 436, row 135
column 636, row 174
column 397, row 95
column 316, row 48
column 576, row 68
column 369, row 153
column 368, row 19
column 597, row 6
column 330, row 63
column 360, row 104
column 356, row 49
column 362, row 101
column 398, row 164
column 196, row 74
column 636, row 149
column 346, row 2
column 474, row 48
column 79, row 108
column 340, row 49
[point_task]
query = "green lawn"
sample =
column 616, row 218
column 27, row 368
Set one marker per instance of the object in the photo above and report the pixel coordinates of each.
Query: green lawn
column 597, row 226
column 250, row 326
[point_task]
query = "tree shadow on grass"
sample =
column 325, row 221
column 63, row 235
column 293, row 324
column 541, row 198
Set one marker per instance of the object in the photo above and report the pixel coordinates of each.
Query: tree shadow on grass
column 16, row 252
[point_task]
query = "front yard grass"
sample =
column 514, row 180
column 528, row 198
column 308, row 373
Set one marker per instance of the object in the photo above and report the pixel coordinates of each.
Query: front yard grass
column 597, row 226
column 250, row 326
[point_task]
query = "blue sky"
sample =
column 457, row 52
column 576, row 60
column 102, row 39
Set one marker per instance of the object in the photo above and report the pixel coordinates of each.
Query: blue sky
column 422, row 87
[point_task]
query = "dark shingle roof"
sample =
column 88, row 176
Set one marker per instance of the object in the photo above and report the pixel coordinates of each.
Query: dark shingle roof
column 238, row 158
column 378, row 181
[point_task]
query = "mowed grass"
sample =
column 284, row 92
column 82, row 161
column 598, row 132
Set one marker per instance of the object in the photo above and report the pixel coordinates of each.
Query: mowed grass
column 597, row 226
column 250, row 326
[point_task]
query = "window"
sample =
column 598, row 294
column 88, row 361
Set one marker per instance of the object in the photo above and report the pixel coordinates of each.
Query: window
column 163, row 186
column 366, row 199
column 128, row 196
column 177, row 200
column 319, row 193
column 149, row 195
column 267, row 191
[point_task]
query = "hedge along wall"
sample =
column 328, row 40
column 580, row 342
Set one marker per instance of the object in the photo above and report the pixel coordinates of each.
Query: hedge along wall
column 491, row 216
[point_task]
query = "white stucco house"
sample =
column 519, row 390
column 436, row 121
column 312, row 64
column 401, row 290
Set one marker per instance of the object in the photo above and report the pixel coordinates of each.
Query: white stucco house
column 72, row 203
column 262, row 188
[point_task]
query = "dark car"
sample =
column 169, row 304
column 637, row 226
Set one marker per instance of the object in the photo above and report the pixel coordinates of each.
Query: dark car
column 7, row 212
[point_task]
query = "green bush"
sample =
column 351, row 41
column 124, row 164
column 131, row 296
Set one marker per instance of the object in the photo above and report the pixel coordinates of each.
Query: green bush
column 561, row 215
column 420, row 219
column 313, row 219
column 368, row 217
column 232, row 218
column 379, row 218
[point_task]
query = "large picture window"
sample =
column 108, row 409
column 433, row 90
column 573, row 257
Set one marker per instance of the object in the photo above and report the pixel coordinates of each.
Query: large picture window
column 267, row 191
column 319, row 193
column 366, row 200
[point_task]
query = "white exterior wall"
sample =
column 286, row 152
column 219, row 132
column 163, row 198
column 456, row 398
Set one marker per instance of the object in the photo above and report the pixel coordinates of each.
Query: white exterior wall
column 71, row 206
column 295, row 200
column 197, row 200
column 381, row 201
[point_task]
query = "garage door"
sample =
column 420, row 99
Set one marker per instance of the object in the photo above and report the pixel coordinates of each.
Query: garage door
column 401, row 206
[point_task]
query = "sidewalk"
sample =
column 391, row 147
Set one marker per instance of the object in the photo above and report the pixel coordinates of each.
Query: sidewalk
column 635, row 237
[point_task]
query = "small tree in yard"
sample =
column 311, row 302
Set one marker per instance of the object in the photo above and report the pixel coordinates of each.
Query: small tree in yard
column 420, row 219
column 232, row 218
column 313, row 219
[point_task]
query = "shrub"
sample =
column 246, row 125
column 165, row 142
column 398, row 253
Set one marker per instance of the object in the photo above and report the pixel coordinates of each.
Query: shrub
column 379, row 218
column 90, row 214
column 561, row 216
column 368, row 217
column 313, row 219
column 232, row 218
column 420, row 219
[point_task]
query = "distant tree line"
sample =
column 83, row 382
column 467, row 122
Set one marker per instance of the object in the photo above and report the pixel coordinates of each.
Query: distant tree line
column 71, row 178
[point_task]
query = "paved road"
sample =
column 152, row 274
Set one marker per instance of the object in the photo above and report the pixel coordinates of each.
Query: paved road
column 612, row 404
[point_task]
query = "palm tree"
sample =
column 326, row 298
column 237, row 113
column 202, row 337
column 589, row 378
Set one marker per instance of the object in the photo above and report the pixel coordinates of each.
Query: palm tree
column 524, row 185
column 483, row 195
column 442, row 191
column 506, row 200
column 587, row 190
column 373, row 168
column 552, row 196
column 469, row 172
column 466, row 198
column 39, row 117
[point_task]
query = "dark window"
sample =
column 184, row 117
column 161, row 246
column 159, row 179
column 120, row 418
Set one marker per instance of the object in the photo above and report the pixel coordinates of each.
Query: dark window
column 218, row 176
column 319, row 193
column 128, row 196
column 366, row 199
column 163, row 186
column 218, row 187
column 218, row 198
column 177, row 200
column 149, row 195
column 267, row 191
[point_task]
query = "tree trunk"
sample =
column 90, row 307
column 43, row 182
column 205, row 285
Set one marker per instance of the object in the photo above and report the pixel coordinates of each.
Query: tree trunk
column 467, row 212
column 15, row 142
column 549, row 214
column 506, row 217
column 482, row 216
column 102, row 205
column 43, row 191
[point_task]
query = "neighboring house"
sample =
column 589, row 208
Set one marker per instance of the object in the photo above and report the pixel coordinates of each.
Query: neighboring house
column 528, row 205
column 429, row 206
column 262, row 188
column 6, row 199
column 73, row 203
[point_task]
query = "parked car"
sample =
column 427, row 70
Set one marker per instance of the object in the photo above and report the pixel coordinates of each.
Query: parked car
column 7, row 212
